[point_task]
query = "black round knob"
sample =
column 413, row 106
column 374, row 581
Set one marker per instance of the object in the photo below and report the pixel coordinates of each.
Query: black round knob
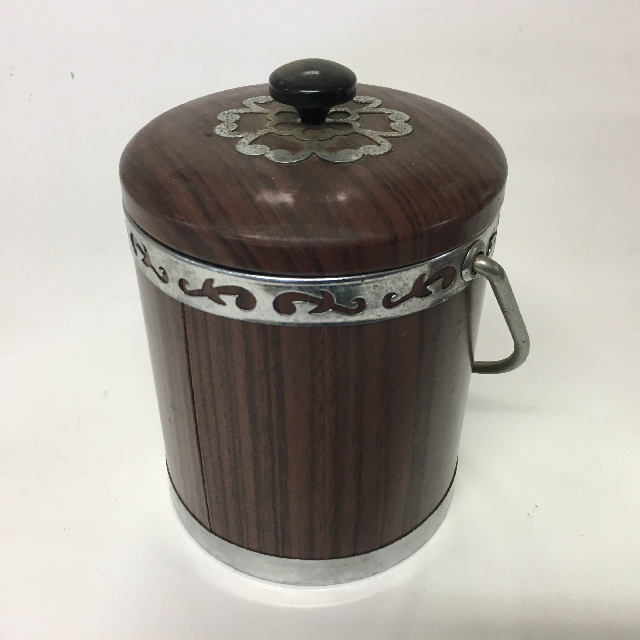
column 312, row 86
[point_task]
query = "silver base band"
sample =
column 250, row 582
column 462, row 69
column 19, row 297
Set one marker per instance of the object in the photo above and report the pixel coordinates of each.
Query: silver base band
column 313, row 572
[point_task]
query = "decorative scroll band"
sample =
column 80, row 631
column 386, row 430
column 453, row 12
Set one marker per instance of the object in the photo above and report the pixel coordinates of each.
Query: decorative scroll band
column 371, row 297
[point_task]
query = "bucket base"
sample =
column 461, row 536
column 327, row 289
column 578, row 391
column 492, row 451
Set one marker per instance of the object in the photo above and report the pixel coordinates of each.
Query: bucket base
column 313, row 572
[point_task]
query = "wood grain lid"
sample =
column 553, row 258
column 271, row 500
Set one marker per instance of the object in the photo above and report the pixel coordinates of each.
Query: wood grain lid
column 422, row 186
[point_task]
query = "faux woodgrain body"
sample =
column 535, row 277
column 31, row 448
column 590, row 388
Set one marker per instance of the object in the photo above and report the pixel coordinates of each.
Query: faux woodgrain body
column 189, row 188
column 311, row 442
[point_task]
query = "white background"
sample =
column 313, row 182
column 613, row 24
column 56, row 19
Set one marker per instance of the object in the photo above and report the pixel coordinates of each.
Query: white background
column 542, row 540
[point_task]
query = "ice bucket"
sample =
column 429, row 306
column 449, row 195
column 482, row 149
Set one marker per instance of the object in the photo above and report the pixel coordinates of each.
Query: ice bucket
column 311, row 257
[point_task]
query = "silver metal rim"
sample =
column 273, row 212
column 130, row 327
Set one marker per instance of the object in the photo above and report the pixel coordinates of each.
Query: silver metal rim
column 313, row 301
column 313, row 572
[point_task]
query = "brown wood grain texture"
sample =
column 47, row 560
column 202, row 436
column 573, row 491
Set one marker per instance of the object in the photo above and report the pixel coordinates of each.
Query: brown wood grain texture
column 316, row 442
column 192, row 190
column 164, row 320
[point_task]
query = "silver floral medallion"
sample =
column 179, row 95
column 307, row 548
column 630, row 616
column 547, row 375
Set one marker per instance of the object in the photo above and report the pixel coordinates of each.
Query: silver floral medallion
column 341, row 121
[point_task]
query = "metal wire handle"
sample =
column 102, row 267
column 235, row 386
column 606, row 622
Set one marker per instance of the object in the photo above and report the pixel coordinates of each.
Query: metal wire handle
column 478, row 263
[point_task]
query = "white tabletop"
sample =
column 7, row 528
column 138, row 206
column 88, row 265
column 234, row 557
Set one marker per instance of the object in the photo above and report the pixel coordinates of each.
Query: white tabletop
column 542, row 537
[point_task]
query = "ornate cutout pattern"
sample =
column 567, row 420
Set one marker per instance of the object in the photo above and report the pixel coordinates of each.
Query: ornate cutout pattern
column 284, row 121
column 245, row 300
column 160, row 272
column 423, row 287
column 284, row 303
